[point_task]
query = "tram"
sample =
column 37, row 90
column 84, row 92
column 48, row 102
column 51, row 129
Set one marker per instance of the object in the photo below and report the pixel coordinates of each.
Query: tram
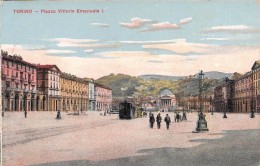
column 128, row 111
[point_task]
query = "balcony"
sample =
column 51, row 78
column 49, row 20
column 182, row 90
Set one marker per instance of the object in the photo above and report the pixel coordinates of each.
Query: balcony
column 25, row 82
column 26, row 91
column 13, row 77
column 18, row 89
column 9, row 89
column 22, row 79
column 3, row 76
column 34, row 91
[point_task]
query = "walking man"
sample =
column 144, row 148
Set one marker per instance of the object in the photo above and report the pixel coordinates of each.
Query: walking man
column 158, row 120
column 167, row 119
column 25, row 113
column 152, row 120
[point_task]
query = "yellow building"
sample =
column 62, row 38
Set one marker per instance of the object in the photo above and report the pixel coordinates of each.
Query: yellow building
column 256, row 85
column 74, row 93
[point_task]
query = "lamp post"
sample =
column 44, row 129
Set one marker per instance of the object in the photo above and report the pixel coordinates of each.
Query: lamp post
column 201, row 123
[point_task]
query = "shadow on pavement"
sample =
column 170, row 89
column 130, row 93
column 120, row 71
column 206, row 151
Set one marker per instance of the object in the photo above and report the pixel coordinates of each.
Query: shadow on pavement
column 236, row 148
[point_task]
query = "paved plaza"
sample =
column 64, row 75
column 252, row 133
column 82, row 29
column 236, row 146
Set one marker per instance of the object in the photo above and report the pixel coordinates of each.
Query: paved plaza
column 94, row 139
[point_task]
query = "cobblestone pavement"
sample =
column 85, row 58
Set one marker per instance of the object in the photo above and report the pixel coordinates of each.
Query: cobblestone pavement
column 92, row 139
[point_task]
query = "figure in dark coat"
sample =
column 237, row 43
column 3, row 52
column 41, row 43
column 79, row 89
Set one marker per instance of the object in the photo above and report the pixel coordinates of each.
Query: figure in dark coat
column 178, row 117
column 158, row 120
column 25, row 114
column 184, row 116
column 167, row 119
column 151, row 120
column 58, row 115
column 225, row 115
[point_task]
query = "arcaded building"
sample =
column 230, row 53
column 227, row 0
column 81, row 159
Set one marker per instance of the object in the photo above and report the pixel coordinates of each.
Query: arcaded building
column 103, row 97
column 49, row 88
column 256, row 85
column 18, row 79
column 74, row 93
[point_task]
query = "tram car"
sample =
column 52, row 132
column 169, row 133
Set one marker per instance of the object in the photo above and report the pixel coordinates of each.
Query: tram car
column 126, row 110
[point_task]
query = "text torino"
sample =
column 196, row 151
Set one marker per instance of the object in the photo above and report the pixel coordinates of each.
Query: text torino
column 28, row 11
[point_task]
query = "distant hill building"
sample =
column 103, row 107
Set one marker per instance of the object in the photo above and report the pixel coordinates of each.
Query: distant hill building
column 166, row 99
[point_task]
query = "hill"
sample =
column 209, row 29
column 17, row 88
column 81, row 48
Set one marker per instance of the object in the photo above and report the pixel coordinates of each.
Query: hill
column 210, row 75
column 125, row 85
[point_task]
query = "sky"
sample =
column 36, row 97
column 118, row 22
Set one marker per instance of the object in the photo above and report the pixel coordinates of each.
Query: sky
column 134, row 37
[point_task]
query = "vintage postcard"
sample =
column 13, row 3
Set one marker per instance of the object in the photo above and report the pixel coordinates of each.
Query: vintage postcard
column 130, row 83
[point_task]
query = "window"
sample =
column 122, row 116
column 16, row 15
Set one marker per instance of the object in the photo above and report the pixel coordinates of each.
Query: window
column 16, row 74
column 7, row 64
column 16, row 85
column 21, row 66
column 7, row 84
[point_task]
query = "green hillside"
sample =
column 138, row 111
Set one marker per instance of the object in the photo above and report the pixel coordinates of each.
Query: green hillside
column 125, row 85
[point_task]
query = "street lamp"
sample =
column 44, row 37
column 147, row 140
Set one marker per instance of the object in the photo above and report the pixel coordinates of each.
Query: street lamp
column 201, row 123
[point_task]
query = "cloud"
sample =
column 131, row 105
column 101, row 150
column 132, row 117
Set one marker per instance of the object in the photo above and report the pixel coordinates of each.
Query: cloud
column 218, row 39
column 89, row 50
column 135, row 23
column 162, row 26
column 139, row 62
column 167, row 25
column 70, row 40
column 60, row 51
column 233, row 29
column 83, row 43
column 147, row 42
column 153, row 61
column 185, row 20
column 181, row 46
column 122, row 54
column 103, row 25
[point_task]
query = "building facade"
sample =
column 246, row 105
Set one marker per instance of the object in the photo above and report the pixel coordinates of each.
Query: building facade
column 49, row 88
column 166, row 99
column 103, row 97
column 74, row 93
column 18, row 79
column 242, row 101
column 256, row 85
column 223, row 96
column 91, row 95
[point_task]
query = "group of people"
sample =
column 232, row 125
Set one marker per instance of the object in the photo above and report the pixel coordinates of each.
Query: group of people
column 178, row 117
column 167, row 120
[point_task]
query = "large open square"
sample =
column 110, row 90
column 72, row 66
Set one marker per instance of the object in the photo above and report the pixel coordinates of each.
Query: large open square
column 94, row 139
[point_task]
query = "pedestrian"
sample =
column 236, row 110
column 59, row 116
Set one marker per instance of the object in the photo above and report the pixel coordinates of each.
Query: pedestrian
column 252, row 114
column 58, row 115
column 225, row 115
column 151, row 120
column 25, row 113
column 167, row 120
column 178, row 117
column 158, row 120
column 184, row 117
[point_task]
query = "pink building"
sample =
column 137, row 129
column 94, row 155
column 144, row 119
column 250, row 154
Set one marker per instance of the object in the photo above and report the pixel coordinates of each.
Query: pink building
column 18, row 83
column 103, row 97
